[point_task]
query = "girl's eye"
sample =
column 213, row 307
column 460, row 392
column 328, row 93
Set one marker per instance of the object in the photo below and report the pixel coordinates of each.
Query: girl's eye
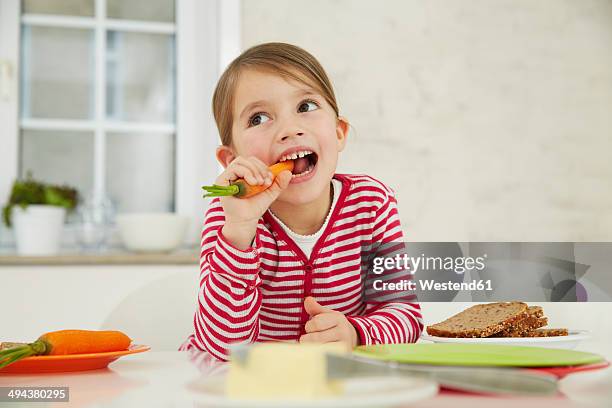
column 258, row 119
column 307, row 106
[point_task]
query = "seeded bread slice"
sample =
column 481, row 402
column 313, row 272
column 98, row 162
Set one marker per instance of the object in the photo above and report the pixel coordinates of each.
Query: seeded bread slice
column 480, row 320
column 520, row 328
column 547, row 333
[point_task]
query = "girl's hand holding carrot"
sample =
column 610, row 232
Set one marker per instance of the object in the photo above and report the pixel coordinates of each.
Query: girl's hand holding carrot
column 262, row 187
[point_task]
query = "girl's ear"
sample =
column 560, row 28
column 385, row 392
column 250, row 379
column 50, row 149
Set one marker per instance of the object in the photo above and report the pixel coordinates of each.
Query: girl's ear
column 342, row 128
column 225, row 155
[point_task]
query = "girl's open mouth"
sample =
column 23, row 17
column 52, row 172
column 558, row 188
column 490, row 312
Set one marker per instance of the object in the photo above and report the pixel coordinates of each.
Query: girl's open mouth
column 303, row 162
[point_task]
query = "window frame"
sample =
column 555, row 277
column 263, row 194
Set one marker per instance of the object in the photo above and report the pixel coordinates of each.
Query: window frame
column 207, row 34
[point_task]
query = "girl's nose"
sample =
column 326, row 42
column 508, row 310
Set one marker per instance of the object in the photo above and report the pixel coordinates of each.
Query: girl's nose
column 287, row 136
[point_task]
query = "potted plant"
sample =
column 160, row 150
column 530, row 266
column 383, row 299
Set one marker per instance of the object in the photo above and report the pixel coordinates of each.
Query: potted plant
column 37, row 212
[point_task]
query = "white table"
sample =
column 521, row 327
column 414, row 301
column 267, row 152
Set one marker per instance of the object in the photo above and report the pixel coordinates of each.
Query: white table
column 159, row 379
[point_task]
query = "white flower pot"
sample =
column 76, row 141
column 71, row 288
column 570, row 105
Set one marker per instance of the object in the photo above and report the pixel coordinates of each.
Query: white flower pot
column 38, row 229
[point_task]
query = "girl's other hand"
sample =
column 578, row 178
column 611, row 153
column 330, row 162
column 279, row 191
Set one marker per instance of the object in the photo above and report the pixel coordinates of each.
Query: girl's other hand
column 242, row 214
column 327, row 326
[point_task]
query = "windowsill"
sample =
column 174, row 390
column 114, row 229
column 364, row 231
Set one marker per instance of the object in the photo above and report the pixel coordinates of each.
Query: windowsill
column 111, row 256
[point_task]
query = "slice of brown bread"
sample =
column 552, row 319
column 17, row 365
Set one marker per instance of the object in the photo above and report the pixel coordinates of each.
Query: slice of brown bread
column 547, row 333
column 523, row 327
column 480, row 320
column 534, row 320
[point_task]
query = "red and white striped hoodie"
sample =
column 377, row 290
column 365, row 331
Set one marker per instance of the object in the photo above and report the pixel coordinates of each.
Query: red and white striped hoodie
column 258, row 294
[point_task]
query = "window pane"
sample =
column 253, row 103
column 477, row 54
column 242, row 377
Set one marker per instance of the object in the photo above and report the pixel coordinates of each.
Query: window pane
column 57, row 71
column 150, row 10
column 58, row 157
column 61, row 7
column 140, row 171
column 142, row 88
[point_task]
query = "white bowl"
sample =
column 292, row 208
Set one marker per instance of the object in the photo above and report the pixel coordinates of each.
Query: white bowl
column 152, row 232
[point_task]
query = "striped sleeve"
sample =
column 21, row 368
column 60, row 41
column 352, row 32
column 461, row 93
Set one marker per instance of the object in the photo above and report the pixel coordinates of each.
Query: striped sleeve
column 393, row 321
column 229, row 298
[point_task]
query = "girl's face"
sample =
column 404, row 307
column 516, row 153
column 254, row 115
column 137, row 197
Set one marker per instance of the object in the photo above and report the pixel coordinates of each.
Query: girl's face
column 275, row 119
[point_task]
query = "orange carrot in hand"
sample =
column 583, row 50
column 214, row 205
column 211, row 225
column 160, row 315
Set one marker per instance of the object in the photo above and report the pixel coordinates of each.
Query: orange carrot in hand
column 68, row 342
column 241, row 189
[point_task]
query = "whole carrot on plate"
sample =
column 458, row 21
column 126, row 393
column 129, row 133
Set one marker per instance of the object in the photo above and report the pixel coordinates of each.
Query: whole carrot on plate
column 241, row 189
column 68, row 342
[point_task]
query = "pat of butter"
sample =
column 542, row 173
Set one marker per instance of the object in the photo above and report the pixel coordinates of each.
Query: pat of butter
column 283, row 371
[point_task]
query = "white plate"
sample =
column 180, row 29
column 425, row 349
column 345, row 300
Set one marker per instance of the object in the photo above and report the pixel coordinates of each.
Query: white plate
column 564, row 342
column 358, row 392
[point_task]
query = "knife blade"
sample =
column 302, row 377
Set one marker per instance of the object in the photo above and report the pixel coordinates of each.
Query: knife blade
column 489, row 380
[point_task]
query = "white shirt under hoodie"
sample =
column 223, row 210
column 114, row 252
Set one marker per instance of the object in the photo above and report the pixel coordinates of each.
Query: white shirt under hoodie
column 307, row 242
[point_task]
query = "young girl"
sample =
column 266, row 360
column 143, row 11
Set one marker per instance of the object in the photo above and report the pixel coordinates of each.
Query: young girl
column 285, row 264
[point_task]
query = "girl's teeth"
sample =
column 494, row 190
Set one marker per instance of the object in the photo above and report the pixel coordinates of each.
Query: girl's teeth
column 294, row 156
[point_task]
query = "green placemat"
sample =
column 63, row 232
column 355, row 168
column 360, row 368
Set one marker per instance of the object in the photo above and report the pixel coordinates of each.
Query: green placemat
column 478, row 355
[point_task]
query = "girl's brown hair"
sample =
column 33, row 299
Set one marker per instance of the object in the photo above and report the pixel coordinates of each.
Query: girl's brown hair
column 283, row 59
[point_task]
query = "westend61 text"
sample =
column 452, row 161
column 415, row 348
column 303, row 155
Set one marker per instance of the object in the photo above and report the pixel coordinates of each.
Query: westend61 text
column 429, row 285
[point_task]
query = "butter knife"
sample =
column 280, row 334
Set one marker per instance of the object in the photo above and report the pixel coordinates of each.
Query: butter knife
column 488, row 380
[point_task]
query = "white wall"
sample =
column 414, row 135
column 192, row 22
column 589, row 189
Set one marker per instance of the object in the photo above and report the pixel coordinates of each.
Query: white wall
column 491, row 119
